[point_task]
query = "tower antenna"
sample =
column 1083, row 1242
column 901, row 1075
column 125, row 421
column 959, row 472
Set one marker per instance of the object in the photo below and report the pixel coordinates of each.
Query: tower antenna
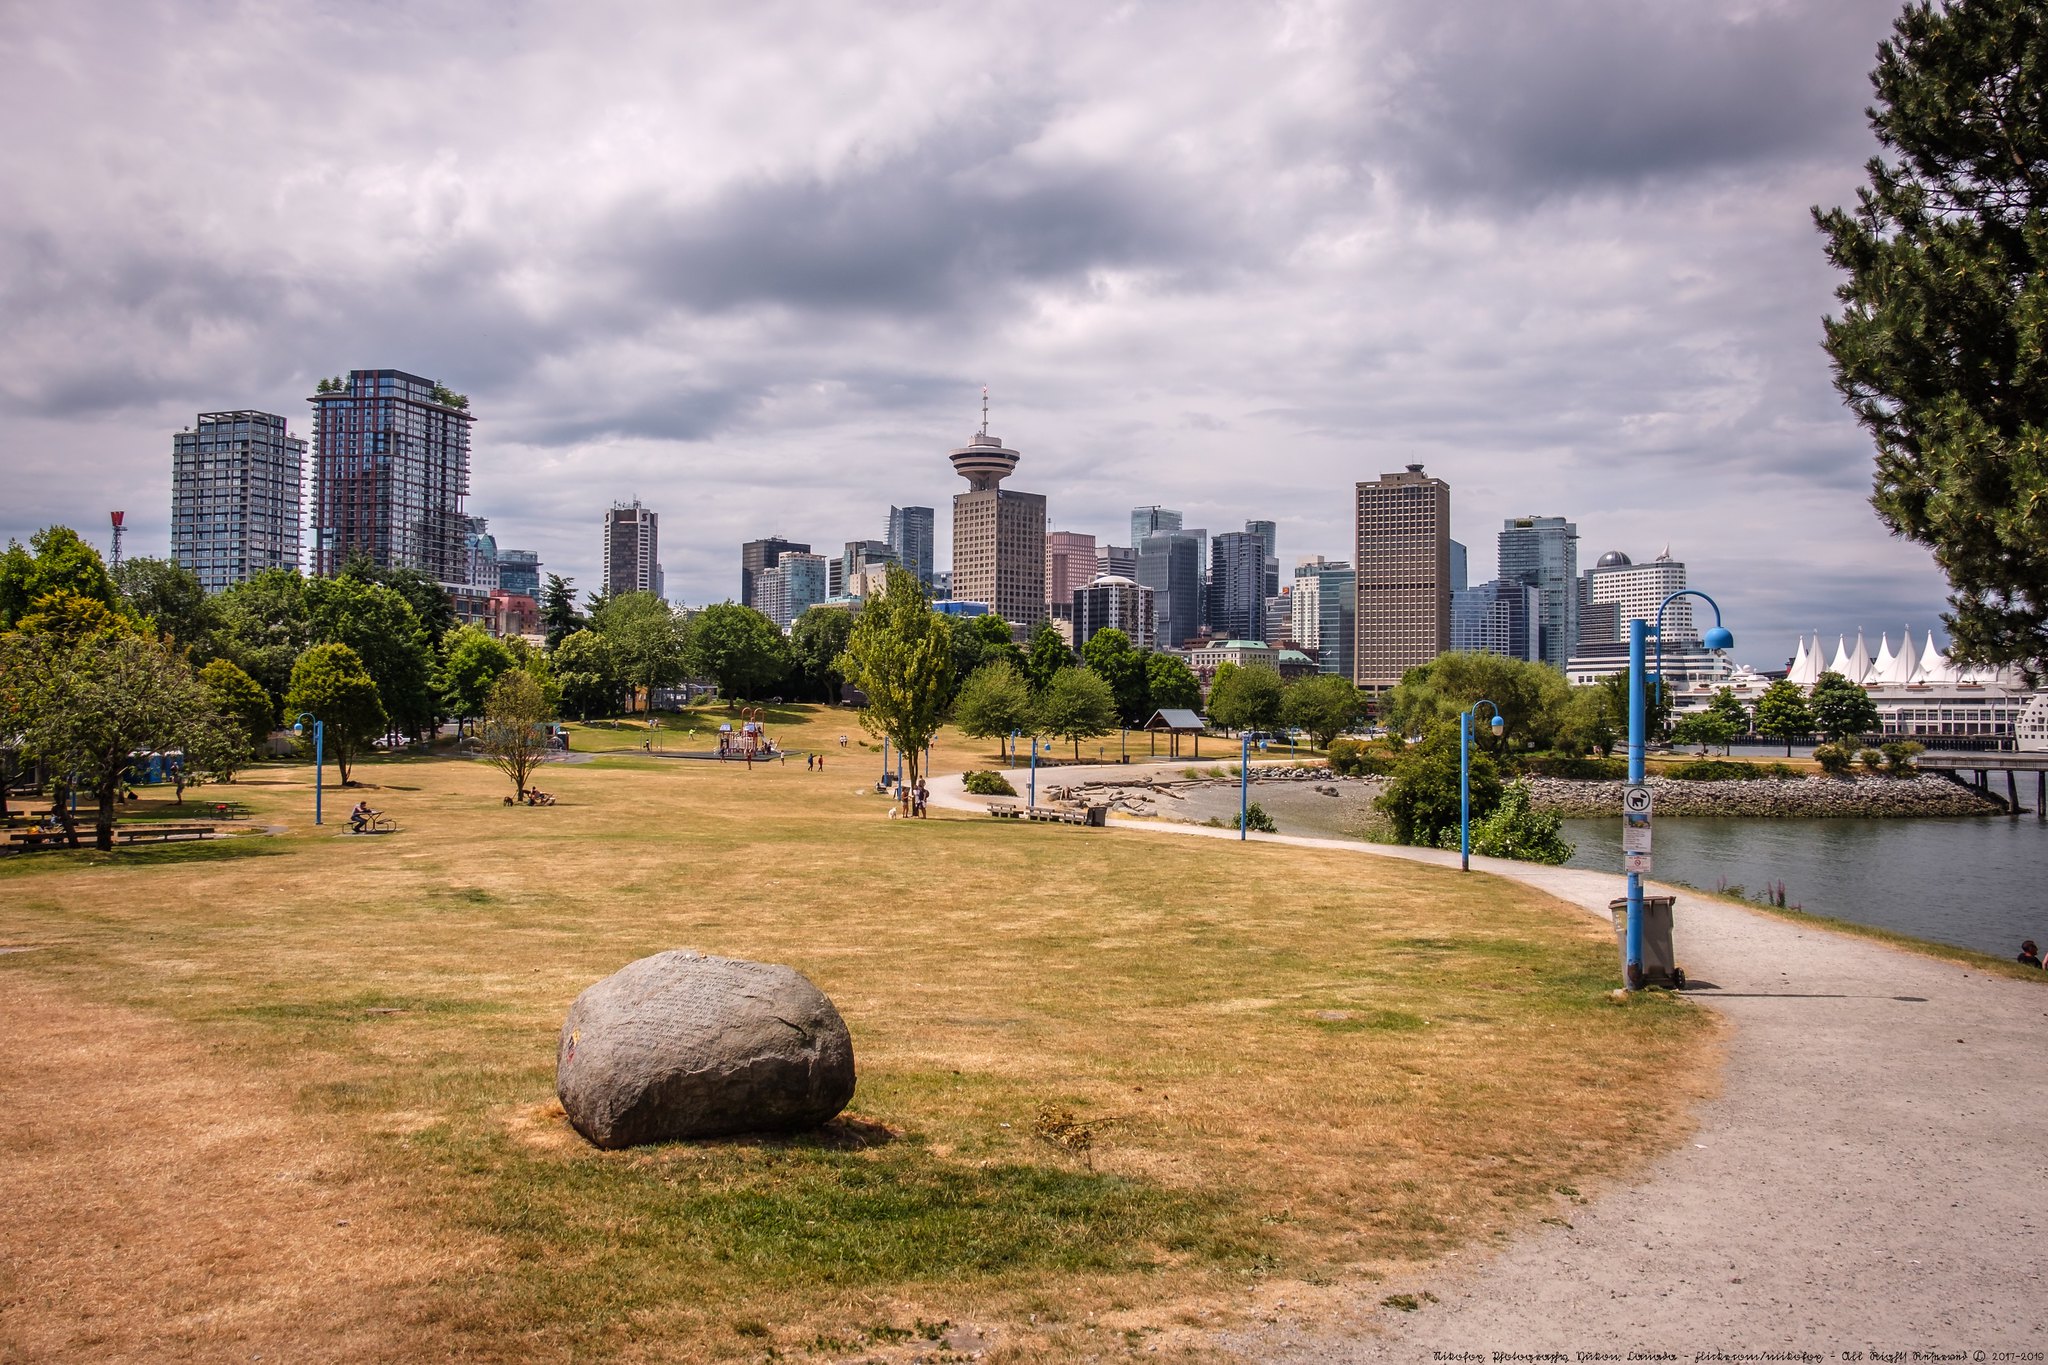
column 118, row 518
column 984, row 409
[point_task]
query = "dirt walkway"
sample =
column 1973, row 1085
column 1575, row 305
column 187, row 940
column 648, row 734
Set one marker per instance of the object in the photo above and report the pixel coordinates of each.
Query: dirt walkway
column 163, row 1205
column 1872, row 1175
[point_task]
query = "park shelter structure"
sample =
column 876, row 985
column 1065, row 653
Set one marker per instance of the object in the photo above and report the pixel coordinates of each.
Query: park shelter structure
column 1174, row 723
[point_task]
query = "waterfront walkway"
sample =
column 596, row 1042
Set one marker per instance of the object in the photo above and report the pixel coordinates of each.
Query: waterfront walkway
column 1874, row 1173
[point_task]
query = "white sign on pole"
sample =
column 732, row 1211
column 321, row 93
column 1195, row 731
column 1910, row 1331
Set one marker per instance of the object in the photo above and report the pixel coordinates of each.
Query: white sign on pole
column 1635, row 834
column 1635, row 799
column 1635, row 862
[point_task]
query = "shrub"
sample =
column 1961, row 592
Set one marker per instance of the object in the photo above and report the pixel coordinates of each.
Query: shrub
column 1899, row 756
column 1422, row 800
column 1872, row 759
column 1579, row 769
column 1356, row 758
column 1834, row 759
column 1256, row 820
column 1713, row 770
column 1516, row 829
column 986, row 783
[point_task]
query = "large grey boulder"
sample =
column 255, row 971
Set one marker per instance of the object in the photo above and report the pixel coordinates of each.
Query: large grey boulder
column 683, row 1045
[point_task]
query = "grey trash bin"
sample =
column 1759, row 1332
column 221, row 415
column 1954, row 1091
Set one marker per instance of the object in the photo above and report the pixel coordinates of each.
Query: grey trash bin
column 1660, row 962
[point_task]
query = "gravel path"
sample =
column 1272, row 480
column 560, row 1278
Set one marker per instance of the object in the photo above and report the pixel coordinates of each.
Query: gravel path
column 1871, row 1177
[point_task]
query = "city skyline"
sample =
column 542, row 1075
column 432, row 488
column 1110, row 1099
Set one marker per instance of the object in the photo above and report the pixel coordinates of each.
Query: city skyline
column 1573, row 272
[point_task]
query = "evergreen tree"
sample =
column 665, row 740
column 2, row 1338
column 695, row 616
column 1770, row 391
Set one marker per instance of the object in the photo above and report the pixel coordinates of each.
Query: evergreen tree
column 1938, row 349
column 558, row 614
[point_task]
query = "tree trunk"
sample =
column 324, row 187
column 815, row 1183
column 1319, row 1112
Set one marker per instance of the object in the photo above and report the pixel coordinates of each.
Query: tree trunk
column 103, row 824
column 60, row 803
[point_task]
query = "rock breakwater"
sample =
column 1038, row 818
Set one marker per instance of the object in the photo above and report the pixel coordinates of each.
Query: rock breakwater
column 1861, row 797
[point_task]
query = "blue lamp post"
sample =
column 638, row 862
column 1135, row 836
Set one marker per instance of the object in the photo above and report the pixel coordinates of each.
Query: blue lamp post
column 1031, row 794
column 1015, row 735
column 885, row 762
column 319, row 752
column 1465, row 719
column 1639, row 632
column 1244, row 784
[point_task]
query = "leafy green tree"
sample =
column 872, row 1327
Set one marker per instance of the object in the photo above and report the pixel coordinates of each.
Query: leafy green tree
column 385, row 634
column 1938, row 349
column 1172, row 685
column 64, row 615
column 587, row 669
column 427, row 598
column 1422, row 801
column 558, row 613
column 471, row 664
column 994, row 703
column 1587, row 724
column 1531, row 697
column 515, row 741
column 1113, row 658
column 1246, row 698
column 56, row 560
column 739, row 648
column 240, row 699
column 1726, row 704
column 330, row 683
column 1325, row 706
column 1047, row 655
column 1077, row 705
column 1782, row 713
column 1656, row 705
column 979, row 640
column 1841, row 708
column 1709, row 727
column 167, row 594
column 265, row 623
column 816, row 641
column 91, row 704
column 901, row 656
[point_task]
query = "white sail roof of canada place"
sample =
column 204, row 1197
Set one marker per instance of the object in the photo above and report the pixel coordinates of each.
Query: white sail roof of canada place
column 1806, row 667
column 1934, row 665
column 1884, row 662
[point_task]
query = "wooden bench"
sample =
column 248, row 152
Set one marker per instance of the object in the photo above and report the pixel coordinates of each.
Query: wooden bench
column 137, row 834
column 1059, row 815
column 36, row 838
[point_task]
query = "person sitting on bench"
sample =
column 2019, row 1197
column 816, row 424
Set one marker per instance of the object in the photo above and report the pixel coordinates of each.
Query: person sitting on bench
column 359, row 818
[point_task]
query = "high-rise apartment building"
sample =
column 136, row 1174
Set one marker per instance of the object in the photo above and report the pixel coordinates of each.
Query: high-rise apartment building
column 1304, row 604
column 757, row 555
column 1336, row 619
column 1069, row 565
column 1617, row 590
column 1461, row 577
column 910, row 540
column 1237, row 586
column 1503, row 617
column 1269, row 532
column 1543, row 552
column 482, row 550
column 519, row 573
column 1113, row 603
column 1403, row 566
column 1152, row 521
column 390, row 472
column 1116, row 561
column 794, row 584
column 235, row 499
column 631, row 550
column 998, row 535
column 1169, row 563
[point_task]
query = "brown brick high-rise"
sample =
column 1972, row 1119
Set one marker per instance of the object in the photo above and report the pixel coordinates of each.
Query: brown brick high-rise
column 1404, row 576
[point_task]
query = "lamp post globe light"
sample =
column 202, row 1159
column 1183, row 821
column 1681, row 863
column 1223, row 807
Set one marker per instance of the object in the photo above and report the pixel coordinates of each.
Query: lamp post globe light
column 319, row 752
column 1639, row 632
column 1465, row 719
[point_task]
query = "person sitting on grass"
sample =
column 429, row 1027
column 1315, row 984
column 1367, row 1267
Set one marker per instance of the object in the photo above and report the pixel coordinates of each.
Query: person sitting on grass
column 2030, row 956
column 359, row 818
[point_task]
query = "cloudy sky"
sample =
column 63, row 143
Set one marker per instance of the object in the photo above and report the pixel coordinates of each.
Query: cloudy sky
column 752, row 264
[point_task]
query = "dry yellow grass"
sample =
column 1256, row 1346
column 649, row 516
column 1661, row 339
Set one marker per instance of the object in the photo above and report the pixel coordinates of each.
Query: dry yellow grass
column 1298, row 1068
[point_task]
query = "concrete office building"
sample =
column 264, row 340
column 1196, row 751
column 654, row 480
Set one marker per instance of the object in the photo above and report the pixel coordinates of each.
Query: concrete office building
column 998, row 534
column 519, row 573
column 631, row 550
column 1403, row 567
column 794, row 584
column 910, row 540
column 1617, row 590
column 1503, row 617
column 1543, row 552
column 390, row 472
column 1069, row 566
column 757, row 555
column 1152, row 521
column 235, row 496
column 1113, row 603
column 852, row 566
column 1269, row 533
column 1116, row 561
column 1237, row 586
column 1170, row 565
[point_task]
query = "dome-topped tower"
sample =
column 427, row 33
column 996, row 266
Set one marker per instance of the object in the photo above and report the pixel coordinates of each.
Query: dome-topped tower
column 1614, row 559
column 984, row 461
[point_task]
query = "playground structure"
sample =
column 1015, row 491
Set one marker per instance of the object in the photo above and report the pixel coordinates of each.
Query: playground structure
column 749, row 741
